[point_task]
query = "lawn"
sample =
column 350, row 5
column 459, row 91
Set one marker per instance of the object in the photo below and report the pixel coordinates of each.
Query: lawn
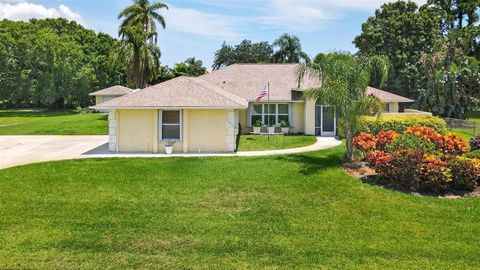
column 263, row 142
column 468, row 133
column 277, row 212
column 41, row 122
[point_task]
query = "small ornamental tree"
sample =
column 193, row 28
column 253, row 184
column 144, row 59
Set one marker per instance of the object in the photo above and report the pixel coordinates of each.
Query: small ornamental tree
column 343, row 80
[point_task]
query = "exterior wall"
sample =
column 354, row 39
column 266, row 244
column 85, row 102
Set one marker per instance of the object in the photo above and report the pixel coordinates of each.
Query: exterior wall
column 394, row 107
column 137, row 130
column 207, row 130
column 309, row 124
column 298, row 117
column 101, row 99
column 112, row 131
column 242, row 118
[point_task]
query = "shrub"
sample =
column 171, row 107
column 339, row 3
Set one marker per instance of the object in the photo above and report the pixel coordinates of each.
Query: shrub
column 365, row 142
column 425, row 133
column 465, row 173
column 408, row 141
column 453, row 145
column 374, row 125
column 475, row 143
column 473, row 154
column 385, row 138
column 435, row 174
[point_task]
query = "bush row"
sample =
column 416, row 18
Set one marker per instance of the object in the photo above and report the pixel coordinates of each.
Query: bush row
column 400, row 124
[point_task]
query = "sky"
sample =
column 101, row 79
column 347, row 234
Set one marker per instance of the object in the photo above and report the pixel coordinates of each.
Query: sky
column 197, row 28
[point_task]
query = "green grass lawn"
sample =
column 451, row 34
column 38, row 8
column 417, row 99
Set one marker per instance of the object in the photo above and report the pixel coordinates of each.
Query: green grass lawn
column 263, row 142
column 278, row 212
column 468, row 133
column 39, row 122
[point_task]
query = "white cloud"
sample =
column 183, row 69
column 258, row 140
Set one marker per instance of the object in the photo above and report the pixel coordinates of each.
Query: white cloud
column 202, row 23
column 18, row 10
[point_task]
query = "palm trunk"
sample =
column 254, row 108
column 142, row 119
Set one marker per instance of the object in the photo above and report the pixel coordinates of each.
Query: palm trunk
column 348, row 135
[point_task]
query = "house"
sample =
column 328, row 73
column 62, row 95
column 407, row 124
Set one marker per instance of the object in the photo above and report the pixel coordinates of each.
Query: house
column 204, row 114
column 110, row 93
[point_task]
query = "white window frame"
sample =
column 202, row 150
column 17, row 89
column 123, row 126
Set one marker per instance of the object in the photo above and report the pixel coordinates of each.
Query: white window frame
column 161, row 124
column 263, row 114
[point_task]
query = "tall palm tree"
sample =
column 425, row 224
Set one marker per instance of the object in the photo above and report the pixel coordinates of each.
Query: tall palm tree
column 289, row 50
column 137, row 48
column 343, row 80
column 145, row 13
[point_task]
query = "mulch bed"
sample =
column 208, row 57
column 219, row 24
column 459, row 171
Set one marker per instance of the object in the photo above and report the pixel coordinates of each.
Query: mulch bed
column 368, row 175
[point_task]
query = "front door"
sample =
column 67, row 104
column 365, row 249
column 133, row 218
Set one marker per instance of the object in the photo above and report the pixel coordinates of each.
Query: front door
column 325, row 120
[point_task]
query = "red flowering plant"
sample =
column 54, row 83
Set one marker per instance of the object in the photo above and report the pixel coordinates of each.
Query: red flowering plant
column 425, row 133
column 453, row 145
column 365, row 142
column 385, row 138
column 435, row 174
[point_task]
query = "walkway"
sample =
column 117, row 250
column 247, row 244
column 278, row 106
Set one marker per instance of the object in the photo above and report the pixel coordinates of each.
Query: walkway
column 19, row 150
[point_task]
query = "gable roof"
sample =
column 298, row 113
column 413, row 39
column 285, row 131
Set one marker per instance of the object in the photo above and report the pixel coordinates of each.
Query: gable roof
column 178, row 92
column 386, row 96
column 116, row 90
column 246, row 80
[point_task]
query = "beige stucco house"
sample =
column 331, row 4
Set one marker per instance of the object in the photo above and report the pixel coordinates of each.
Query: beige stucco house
column 110, row 93
column 205, row 114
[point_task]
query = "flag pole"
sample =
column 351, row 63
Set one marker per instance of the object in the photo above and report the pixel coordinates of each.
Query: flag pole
column 268, row 106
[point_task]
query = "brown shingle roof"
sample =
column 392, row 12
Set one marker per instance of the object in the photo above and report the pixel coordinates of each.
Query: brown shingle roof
column 116, row 90
column 178, row 92
column 386, row 96
column 246, row 80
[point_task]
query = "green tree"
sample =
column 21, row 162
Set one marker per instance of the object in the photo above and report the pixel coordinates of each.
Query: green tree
column 244, row 52
column 138, row 51
column 402, row 32
column 190, row 67
column 289, row 50
column 343, row 80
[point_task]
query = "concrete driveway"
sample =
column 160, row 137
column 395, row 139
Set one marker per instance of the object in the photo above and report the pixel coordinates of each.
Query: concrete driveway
column 18, row 150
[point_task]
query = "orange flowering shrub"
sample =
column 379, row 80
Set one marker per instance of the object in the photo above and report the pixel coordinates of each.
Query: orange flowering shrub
column 435, row 174
column 385, row 138
column 425, row 133
column 451, row 144
column 365, row 142
column 378, row 158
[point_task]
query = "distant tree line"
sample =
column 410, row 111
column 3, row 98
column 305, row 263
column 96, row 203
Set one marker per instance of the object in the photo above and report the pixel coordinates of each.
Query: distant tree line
column 286, row 49
column 53, row 63
column 434, row 51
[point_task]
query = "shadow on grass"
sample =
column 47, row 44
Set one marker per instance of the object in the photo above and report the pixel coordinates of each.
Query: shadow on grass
column 314, row 163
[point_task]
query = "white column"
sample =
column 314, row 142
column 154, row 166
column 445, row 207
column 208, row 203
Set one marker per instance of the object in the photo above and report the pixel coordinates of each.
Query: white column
column 231, row 131
column 112, row 131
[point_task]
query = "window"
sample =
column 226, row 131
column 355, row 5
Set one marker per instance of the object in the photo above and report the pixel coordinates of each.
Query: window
column 171, row 125
column 270, row 113
column 386, row 107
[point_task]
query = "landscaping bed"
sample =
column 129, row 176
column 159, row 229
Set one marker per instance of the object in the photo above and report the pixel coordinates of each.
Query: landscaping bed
column 419, row 160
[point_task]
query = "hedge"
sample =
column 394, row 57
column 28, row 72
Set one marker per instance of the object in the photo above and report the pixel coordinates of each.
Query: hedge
column 373, row 124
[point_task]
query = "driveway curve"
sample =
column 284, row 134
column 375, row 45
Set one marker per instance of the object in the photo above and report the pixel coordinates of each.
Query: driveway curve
column 20, row 150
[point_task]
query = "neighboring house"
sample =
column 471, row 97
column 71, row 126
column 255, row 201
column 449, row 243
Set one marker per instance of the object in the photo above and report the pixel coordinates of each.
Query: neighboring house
column 203, row 114
column 390, row 101
column 110, row 93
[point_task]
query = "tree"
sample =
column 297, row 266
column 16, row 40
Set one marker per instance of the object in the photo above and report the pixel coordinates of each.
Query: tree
column 289, row 50
column 244, row 52
column 190, row 67
column 402, row 32
column 138, row 50
column 343, row 80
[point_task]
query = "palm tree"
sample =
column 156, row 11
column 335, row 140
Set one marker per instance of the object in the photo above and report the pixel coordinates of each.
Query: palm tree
column 140, row 58
column 289, row 50
column 145, row 13
column 137, row 49
column 343, row 80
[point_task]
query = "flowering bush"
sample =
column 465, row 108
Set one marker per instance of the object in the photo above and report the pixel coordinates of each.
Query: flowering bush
column 385, row 138
column 421, row 159
column 365, row 142
column 425, row 133
column 465, row 173
column 475, row 143
column 435, row 174
column 451, row 144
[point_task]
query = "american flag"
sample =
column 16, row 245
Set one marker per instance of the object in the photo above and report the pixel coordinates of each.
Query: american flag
column 262, row 93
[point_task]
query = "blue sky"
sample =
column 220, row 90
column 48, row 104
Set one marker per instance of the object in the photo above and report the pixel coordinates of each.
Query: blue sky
column 198, row 27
